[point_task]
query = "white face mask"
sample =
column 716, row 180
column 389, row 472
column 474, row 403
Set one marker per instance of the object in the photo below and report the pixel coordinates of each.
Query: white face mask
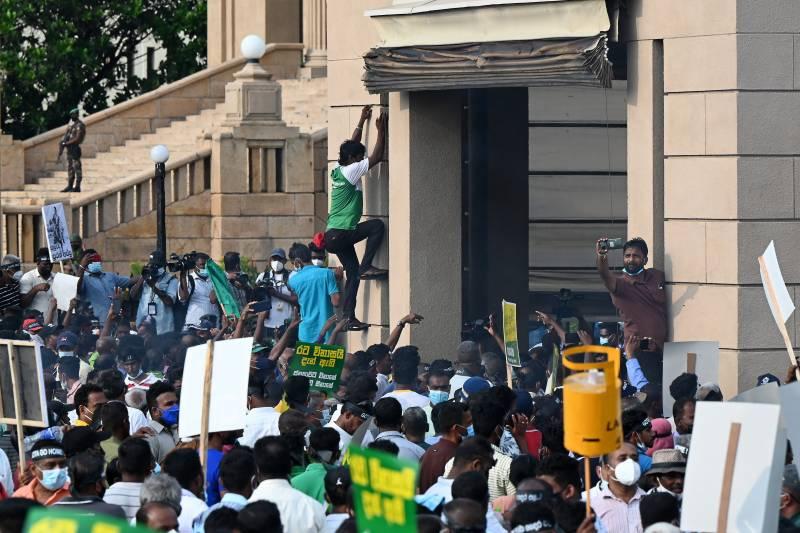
column 18, row 275
column 318, row 262
column 276, row 266
column 627, row 472
column 66, row 354
column 662, row 488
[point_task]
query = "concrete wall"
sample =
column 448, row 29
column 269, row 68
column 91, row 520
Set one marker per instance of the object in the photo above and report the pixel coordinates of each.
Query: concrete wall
column 730, row 151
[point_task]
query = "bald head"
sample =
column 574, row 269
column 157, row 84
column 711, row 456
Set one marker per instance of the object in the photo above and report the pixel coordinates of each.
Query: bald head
column 157, row 516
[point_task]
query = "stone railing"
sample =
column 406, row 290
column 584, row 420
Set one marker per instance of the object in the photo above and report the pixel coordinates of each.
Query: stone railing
column 125, row 201
column 145, row 113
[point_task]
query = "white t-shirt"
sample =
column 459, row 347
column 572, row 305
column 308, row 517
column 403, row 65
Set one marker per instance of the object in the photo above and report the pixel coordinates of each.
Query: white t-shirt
column 191, row 508
column 200, row 300
column 281, row 310
column 41, row 302
column 344, row 437
column 353, row 173
column 409, row 398
column 259, row 422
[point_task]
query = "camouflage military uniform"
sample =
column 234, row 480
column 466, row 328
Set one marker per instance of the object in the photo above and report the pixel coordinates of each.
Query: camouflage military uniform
column 75, row 134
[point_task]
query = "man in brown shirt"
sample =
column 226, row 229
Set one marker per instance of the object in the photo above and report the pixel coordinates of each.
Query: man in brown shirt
column 638, row 294
column 452, row 422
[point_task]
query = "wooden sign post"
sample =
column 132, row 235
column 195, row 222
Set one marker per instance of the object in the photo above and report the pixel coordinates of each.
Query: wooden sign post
column 204, row 413
column 15, row 383
column 727, row 476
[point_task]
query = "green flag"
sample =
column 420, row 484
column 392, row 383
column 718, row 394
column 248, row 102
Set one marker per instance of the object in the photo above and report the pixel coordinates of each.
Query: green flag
column 55, row 520
column 383, row 491
column 223, row 289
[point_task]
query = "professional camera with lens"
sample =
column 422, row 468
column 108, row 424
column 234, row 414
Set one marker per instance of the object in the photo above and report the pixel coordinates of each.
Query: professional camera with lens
column 150, row 273
column 182, row 263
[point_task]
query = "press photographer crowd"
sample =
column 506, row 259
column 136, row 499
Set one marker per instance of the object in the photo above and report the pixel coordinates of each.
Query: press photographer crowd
column 491, row 441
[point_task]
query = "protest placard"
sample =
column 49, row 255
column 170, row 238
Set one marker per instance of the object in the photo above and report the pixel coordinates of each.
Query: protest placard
column 55, row 520
column 65, row 288
column 230, row 369
column 383, row 491
column 21, row 374
column 698, row 357
column 510, row 334
column 790, row 403
column 321, row 363
column 734, row 470
column 778, row 297
column 57, row 232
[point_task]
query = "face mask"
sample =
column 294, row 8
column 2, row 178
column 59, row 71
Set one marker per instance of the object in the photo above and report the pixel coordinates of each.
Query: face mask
column 438, row 396
column 470, row 431
column 54, row 478
column 63, row 384
column 318, row 262
column 66, row 354
column 18, row 275
column 627, row 271
column 159, row 272
column 95, row 267
column 202, row 272
column 603, row 341
column 661, row 488
column 138, row 373
column 170, row 415
column 627, row 472
column 157, row 469
column 276, row 266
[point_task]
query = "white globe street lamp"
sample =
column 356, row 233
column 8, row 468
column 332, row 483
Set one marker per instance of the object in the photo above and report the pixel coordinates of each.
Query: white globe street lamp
column 160, row 154
column 253, row 47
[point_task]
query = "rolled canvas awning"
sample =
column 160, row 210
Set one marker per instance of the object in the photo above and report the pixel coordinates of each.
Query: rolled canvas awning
column 448, row 44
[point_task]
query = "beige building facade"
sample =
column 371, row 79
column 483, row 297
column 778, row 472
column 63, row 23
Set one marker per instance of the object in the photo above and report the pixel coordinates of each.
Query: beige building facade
column 700, row 159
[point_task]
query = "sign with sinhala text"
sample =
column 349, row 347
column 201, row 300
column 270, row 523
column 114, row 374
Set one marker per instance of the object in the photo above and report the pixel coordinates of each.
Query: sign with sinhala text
column 321, row 363
column 383, row 491
column 52, row 520
column 510, row 333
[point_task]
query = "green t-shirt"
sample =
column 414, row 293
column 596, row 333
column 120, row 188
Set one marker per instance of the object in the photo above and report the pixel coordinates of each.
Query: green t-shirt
column 347, row 200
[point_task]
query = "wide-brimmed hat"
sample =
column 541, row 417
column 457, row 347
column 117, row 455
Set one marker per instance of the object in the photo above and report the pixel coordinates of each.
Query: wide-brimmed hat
column 666, row 461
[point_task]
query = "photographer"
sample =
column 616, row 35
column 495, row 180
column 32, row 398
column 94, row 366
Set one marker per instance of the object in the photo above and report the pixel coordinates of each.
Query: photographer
column 238, row 280
column 196, row 289
column 156, row 291
column 638, row 294
column 276, row 278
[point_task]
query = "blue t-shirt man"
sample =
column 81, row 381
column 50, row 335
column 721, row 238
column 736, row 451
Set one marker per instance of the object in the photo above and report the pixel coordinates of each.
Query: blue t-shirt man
column 314, row 287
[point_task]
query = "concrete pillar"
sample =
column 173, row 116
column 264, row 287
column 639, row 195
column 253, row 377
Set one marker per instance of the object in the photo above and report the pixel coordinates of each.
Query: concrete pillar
column 315, row 34
column 229, row 21
column 425, row 243
column 731, row 147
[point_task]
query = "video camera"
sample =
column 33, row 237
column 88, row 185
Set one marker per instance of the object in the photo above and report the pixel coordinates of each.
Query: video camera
column 150, row 272
column 181, row 264
column 474, row 330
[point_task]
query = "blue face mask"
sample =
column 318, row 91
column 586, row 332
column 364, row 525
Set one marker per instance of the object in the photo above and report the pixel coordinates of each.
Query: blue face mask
column 170, row 415
column 202, row 272
column 55, row 478
column 603, row 341
column 95, row 267
column 157, row 469
column 470, row 431
column 626, row 271
column 438, row 396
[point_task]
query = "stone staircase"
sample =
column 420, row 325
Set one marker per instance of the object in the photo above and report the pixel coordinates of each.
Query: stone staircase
column 304, row 103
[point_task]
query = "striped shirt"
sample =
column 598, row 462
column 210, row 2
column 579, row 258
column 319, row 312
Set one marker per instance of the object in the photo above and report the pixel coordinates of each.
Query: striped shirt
column 9, row 295
column 616, row 515
column 126, row 495
column 499, row 482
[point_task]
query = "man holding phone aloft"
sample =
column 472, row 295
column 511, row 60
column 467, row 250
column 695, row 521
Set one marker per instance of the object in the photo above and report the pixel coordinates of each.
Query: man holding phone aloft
column 638, row 294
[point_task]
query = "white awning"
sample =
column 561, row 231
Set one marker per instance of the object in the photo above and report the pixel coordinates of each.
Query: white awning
column 451, row 44
column 438, row 22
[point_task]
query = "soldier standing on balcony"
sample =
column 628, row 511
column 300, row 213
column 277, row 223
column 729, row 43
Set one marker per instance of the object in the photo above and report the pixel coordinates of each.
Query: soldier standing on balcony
column 72, row 142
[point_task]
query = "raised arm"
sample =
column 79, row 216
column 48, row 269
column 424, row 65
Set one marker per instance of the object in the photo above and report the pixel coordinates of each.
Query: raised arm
column 366, row 114
column 382, row 123
column 394, row 336
column 283, row 342
column 550, row 322
column 609, row 280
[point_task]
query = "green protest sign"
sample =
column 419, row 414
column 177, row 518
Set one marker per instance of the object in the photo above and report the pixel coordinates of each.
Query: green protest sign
column 383, row 491
column 54, row 520
column 321, row 363
column 510, row 333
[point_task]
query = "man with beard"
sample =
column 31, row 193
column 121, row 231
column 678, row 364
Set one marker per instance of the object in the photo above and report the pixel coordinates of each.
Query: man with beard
column 638, row 294
column 34, row 287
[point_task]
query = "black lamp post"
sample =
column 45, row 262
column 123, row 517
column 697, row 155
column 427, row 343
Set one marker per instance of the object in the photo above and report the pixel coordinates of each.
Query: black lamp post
column 159, row 154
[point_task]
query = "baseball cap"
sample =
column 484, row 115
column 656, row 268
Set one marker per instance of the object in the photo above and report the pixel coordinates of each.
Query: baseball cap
column 157, row 258
column 67, row 338
column 442, row 365
column 31, row 325
column 474, row 385
column 763, row 379
column 258, row 348
column 80, row 439
column 278, row 252
column 204, row 325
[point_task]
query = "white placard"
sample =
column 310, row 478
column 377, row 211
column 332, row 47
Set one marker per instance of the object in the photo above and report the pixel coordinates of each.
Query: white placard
column 676, row 358
column 785, row 307
column 57, row 232
column 790, row 405
column 765, row 394
column 230, row 372
column 65, row 288
column 757, row 472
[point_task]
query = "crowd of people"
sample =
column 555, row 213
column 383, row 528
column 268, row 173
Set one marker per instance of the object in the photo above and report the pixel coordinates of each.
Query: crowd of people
column 489, row 444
